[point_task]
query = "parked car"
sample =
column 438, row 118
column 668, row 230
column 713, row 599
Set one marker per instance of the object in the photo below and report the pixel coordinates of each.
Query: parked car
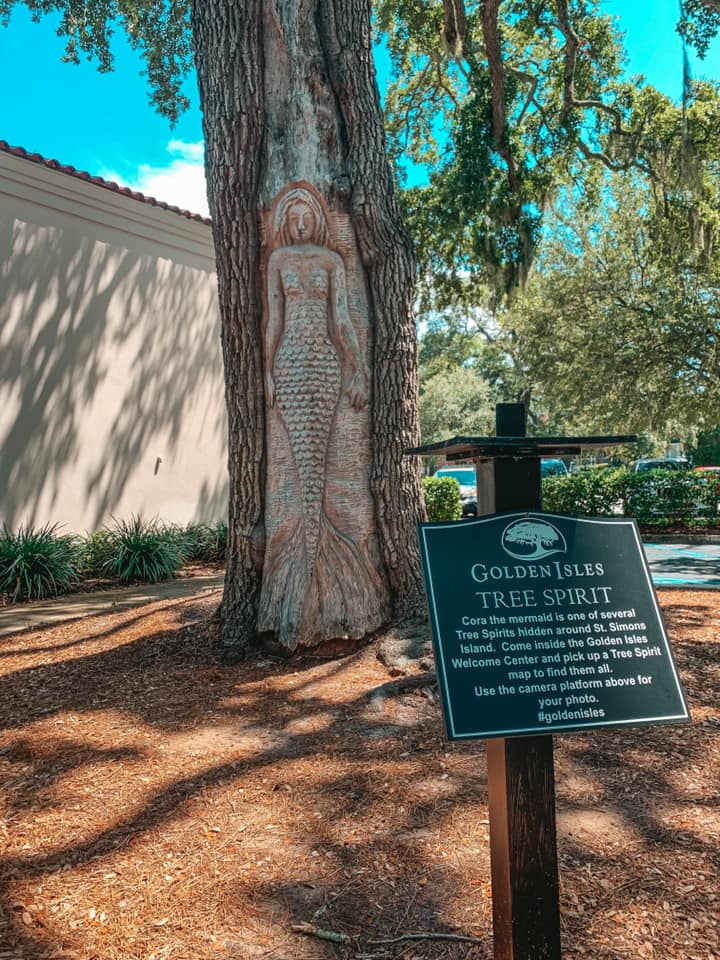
column 553, row 468
column 465, row 476
column 661, row 463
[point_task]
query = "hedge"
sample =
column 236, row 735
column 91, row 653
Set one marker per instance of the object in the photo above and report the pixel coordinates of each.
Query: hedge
column 592, row 493
column 659, row 497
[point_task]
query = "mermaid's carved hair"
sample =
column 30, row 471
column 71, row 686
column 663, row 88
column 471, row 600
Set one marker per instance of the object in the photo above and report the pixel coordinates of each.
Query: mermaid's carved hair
column 300, row 195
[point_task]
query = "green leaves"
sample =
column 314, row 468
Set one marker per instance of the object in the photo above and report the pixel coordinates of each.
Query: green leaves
column 37, row 563
column 442, row 498
column 455, row 402
column 699, row 23
column 501, row 121
column 159, row 29
column 660, row 497
column 143, row 550
column 620, row 322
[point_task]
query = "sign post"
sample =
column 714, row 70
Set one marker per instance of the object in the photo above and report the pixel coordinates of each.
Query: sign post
column 541, row 623
column 521, row 780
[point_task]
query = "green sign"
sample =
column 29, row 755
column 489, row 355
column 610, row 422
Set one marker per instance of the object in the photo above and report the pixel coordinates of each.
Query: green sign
column 544, row 623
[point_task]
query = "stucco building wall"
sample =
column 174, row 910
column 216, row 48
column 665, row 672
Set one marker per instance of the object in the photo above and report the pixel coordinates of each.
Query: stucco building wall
column 111, row 382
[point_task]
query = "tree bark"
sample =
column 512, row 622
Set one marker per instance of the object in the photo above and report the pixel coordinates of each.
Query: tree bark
column 389, row 260
column 228, row 56
column 288, row 94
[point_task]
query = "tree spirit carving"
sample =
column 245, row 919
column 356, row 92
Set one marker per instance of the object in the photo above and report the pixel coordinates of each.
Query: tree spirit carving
column 320, row 576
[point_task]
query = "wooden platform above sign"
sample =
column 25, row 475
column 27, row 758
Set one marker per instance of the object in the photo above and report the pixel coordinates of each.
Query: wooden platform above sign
column 544, row 623
column 493, row 448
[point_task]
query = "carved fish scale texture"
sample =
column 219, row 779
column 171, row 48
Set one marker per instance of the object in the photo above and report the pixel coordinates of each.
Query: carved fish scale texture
column 307, row 379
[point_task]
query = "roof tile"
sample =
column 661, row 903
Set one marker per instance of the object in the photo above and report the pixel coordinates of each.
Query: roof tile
column 5, row 147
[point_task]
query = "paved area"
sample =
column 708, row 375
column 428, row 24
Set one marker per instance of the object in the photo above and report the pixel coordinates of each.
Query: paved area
column 684, row 564
column 43, row 613
column 671, row 564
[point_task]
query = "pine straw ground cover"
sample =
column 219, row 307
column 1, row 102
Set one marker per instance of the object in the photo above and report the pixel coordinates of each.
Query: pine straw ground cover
column 156, row 806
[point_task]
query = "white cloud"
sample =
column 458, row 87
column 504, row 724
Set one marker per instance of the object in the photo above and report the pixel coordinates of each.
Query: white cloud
column 180, row 183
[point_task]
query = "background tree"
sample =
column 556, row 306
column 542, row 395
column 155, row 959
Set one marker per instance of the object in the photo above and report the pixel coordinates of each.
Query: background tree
column 576, row 124
column 529, row 95
column 706, row 449
column 456, row 403
column 620, row 322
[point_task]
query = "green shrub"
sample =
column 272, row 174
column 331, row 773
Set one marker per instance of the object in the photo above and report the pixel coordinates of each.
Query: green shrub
column 144, row 550
column 651, row 497
column 669, row 496
column 590, row 493
column 205, row 542
column 37, row 563
column 442, row 498
column 96, row 553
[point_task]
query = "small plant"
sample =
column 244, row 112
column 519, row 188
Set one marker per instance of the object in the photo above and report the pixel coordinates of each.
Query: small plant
column 35, row 564
column 442, row 498
column 143, row 550
column 96, row 554
column 215, row 542
column 192, row 538
column 205, row 542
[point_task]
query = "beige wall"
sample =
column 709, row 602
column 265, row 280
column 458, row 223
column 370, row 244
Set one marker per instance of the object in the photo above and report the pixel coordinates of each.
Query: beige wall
column 109, row 356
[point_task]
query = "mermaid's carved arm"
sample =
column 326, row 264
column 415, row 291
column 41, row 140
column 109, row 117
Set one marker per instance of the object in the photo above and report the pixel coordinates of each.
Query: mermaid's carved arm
column 274, row 326
column 355, row 373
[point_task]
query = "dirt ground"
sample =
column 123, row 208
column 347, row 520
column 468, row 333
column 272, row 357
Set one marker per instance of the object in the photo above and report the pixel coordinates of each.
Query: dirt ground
column 155, row 805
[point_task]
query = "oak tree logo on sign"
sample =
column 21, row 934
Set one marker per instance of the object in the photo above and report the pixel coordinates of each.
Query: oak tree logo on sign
column 532, row 540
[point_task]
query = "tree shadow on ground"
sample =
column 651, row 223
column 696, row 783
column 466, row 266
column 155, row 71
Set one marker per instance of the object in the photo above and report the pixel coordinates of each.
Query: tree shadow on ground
column 357, row 800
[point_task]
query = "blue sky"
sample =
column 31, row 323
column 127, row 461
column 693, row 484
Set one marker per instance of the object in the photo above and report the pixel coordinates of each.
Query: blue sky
column 104, row 124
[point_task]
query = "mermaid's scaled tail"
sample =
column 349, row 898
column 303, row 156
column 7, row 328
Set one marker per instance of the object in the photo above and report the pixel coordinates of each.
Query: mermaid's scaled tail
column 341, row 595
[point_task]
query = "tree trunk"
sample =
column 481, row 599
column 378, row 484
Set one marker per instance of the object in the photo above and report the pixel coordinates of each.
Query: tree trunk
column 227, row 39
column 291, row 110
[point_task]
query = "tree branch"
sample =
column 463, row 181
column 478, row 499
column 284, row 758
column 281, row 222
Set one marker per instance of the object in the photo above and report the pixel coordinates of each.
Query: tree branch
column 570, row 102
column 533, row 81
column 493, row 51
column 614, row 165
column 455, row 26
column 454, row 937
column 572, row 42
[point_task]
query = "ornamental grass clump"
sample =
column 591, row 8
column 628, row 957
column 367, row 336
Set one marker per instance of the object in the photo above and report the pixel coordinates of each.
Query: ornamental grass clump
column 143, row 550
column 213, row 544
column 97, row 552
column 205, row 542
column 38, row 563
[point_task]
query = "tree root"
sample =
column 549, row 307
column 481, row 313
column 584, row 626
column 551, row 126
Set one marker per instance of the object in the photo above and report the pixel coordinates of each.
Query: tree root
column 394, row 688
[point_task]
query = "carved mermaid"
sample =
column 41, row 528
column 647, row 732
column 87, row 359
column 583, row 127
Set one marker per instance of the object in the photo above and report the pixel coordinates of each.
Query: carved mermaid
column 312, row 359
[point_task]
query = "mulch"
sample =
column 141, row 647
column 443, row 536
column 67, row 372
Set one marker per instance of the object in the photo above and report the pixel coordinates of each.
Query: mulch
column 157, row 805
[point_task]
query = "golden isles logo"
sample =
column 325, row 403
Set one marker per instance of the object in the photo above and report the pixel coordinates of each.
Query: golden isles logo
column 527, row 539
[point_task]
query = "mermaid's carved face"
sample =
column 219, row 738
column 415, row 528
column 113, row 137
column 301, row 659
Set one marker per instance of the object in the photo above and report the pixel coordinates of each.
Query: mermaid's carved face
column 301, row 223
